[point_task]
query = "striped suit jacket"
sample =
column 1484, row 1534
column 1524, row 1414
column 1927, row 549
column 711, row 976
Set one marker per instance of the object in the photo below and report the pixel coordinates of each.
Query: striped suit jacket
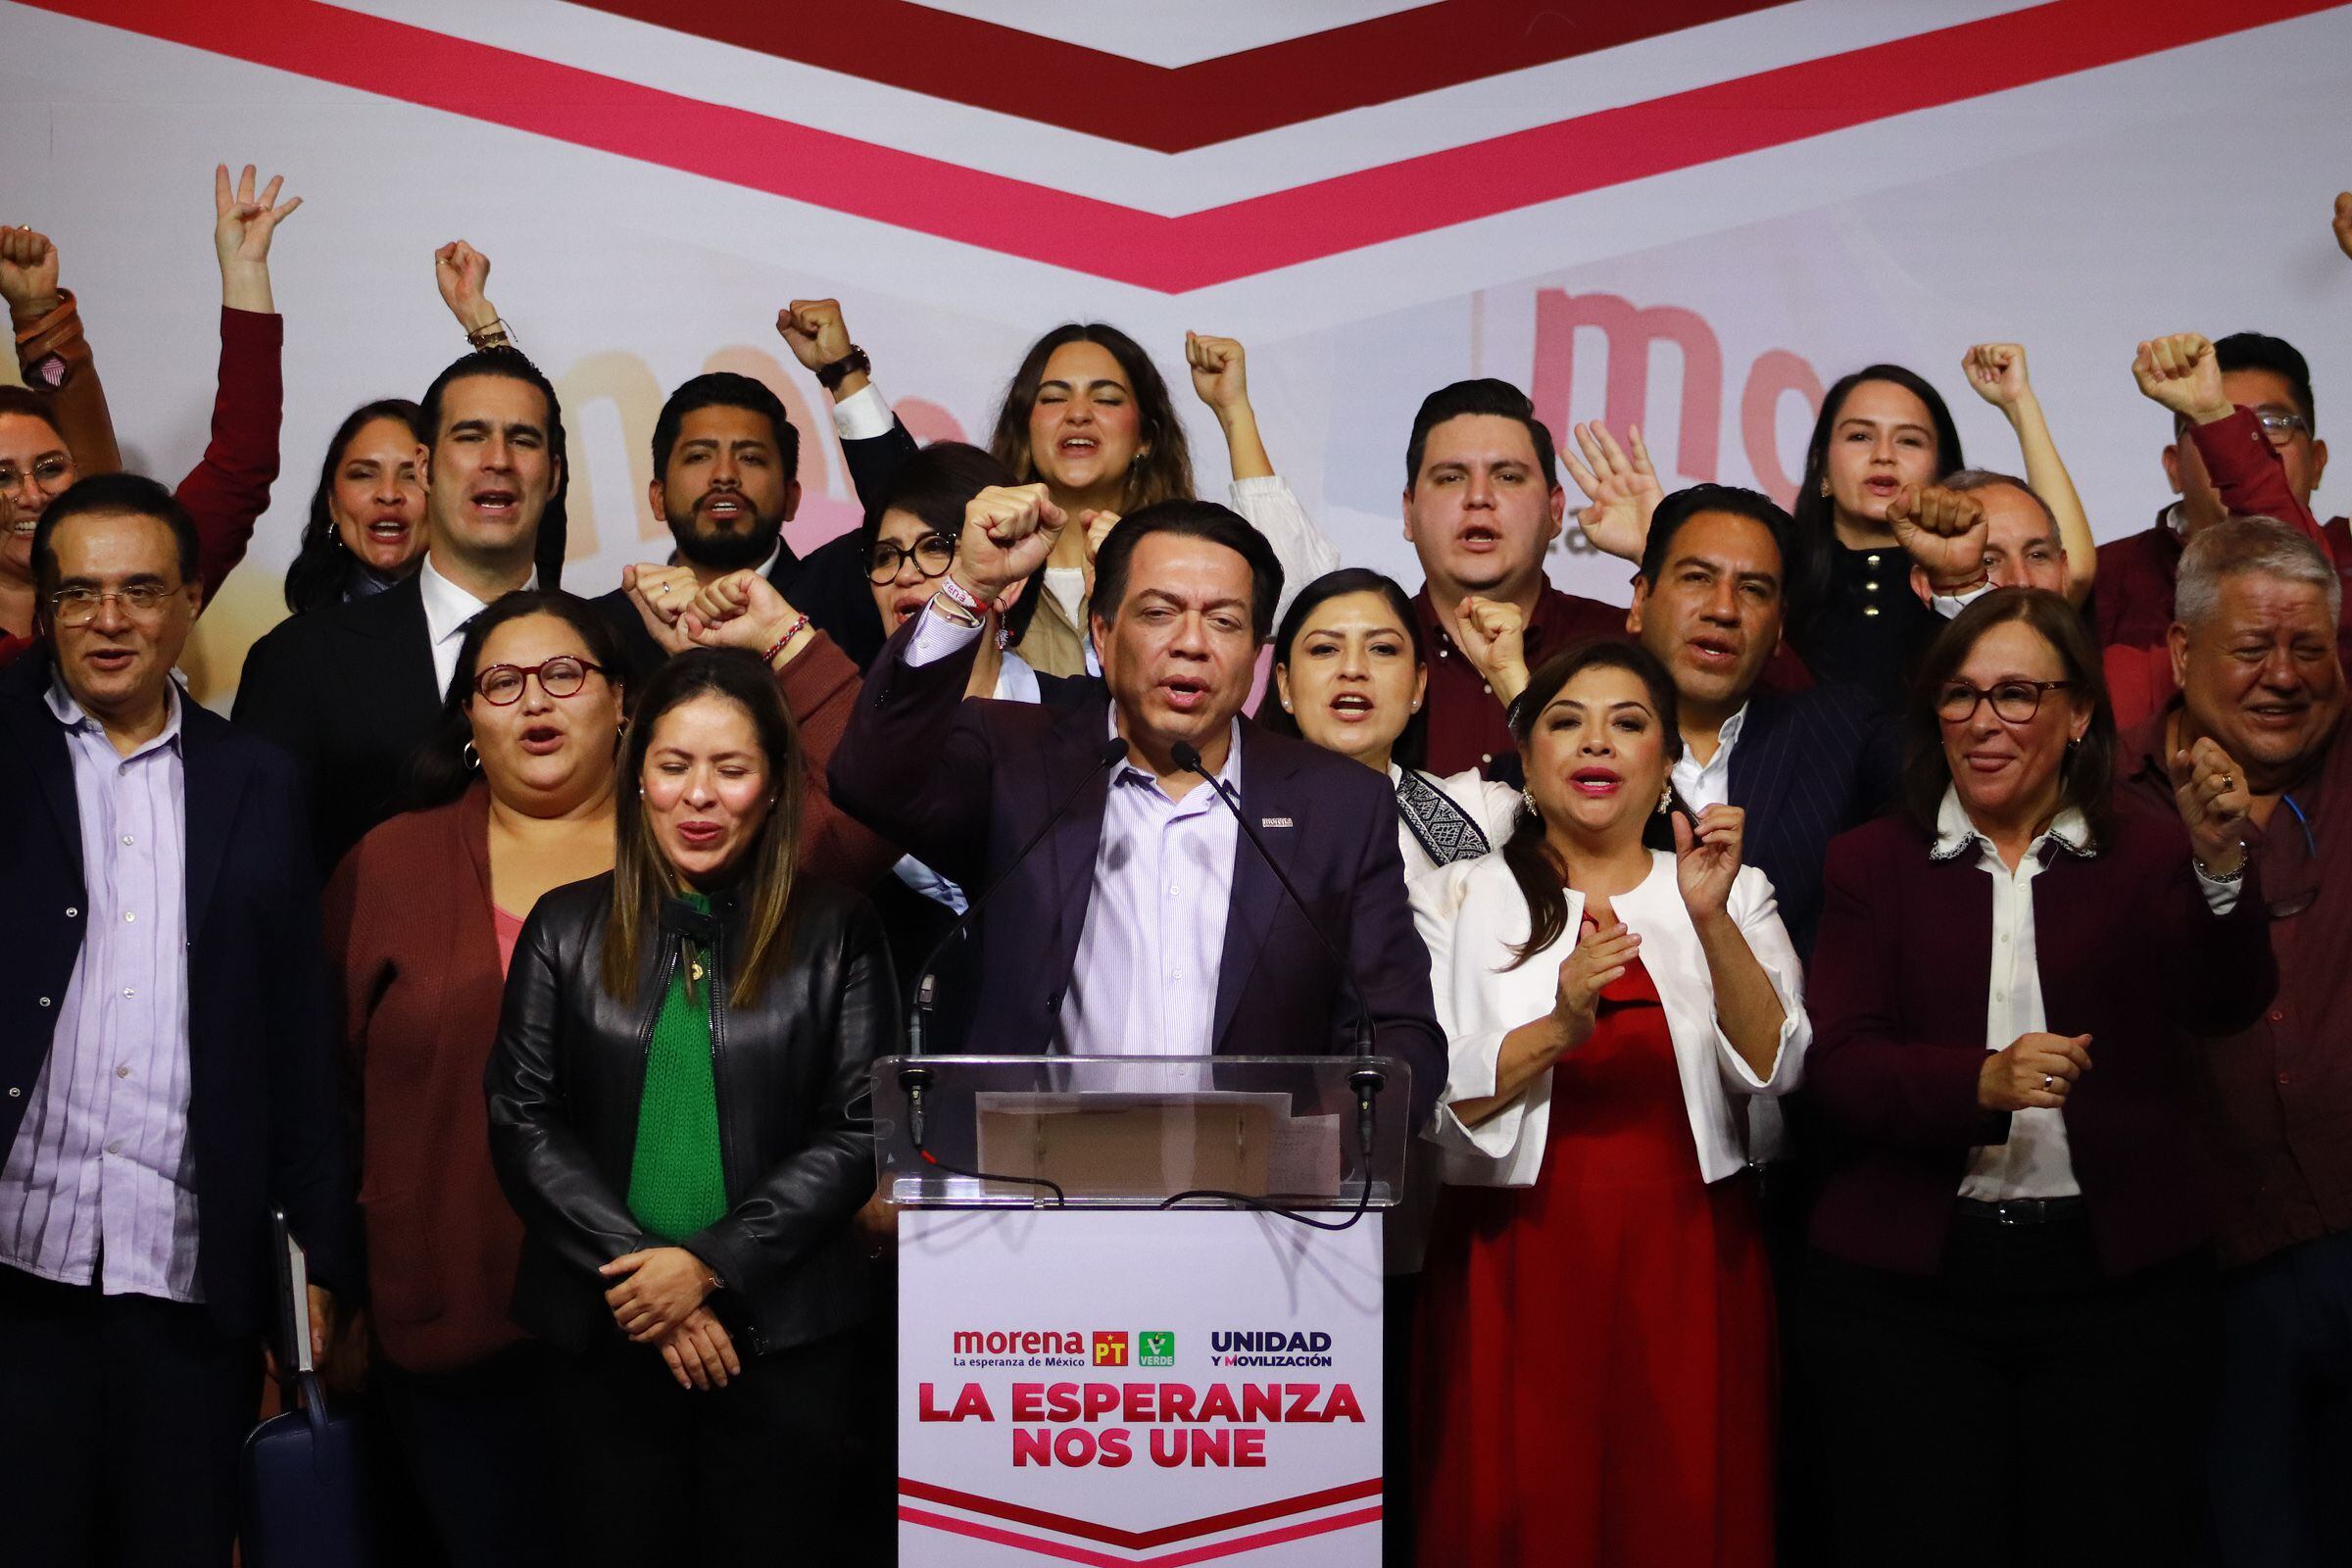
column 1809, row 766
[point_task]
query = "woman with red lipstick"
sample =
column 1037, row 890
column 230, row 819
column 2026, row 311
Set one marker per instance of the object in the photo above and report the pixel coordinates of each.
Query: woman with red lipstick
column 677, row 1106
column 1089, row 415
column 1596, row 1385
column 2009, row 1248
column 367, row 527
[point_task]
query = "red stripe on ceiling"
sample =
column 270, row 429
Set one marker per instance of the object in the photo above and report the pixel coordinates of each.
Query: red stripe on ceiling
column 1177, row 254
column 903, row 44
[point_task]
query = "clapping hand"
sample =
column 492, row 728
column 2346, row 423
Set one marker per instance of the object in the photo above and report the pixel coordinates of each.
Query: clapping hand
column 27, row 273
column 1944, row 530
column 2214, row 799
column 1601, row 955
column 462, row 273
column 1996, row 373
column 1493, row 637
column 2183, row 372
column 1008, row 534
column 1622, row 488
column 1706, row 857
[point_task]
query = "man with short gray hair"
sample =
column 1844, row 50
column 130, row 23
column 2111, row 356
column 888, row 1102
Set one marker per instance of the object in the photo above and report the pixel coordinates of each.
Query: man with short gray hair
column 2254, row 651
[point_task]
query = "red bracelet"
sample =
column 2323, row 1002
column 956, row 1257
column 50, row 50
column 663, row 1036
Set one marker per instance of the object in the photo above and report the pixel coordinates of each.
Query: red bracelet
column 784, row 641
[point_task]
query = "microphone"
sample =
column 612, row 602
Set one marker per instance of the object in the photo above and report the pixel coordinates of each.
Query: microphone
column 914, row 1079
column 1366, row 1080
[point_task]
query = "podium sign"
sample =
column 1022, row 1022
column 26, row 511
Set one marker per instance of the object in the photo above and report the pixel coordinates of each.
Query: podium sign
column 1093, row 1385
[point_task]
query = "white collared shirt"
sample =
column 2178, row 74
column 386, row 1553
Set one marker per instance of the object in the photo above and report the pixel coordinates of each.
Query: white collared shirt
column 448, row 608
column 2036, row 1161
column 1709, row 783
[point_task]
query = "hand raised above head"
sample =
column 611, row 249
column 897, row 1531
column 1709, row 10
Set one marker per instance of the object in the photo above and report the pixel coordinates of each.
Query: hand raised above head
column 462, row 274
column 27, row 273
column 1220, row 369
column 1944, row 530
column 1996, row 373
column 1008, row 534
column 243, row 223
column 816, row 331
column 1621, row 486
column 2181, row 372
column 2343, row 221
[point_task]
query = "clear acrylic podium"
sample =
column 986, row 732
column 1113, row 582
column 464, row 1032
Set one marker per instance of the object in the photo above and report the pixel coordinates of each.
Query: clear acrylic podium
column 1130, row 1132
column 1081, row 1365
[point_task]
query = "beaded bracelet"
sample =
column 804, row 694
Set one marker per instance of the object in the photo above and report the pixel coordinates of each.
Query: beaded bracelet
column 784, row 641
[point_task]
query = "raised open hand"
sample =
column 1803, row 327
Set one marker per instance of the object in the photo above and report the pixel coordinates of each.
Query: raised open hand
column 462, row 273
column 27, row 273
column 2214, row 799
column 1996, row 373
column 2181, row 371
column 1621, row 486
column 243, row 223
column 1944, row 530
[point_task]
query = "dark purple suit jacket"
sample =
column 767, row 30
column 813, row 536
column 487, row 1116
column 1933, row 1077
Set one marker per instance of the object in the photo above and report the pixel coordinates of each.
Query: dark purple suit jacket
column 2129, row 954
column 963, row 785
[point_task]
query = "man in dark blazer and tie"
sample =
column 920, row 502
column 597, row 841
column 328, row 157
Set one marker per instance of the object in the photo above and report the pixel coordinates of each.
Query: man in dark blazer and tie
column 1143, row 924
column 1805, row 766
column 350, row 691
column 167, row 1068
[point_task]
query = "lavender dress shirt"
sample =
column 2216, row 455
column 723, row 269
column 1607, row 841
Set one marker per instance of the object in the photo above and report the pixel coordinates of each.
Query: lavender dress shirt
column 100, row 1187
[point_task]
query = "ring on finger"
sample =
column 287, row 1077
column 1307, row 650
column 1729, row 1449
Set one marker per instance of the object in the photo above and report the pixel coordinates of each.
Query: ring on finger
column 2048, row 1079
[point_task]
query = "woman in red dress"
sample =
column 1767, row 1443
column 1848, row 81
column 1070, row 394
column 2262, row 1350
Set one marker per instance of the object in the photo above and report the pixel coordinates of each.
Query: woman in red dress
column 1596, row 1365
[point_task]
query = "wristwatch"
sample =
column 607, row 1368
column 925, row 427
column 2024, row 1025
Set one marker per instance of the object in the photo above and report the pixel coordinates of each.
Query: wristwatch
column 830, row 376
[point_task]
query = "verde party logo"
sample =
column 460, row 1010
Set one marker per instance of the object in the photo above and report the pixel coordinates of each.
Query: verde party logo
column 1154, row 1348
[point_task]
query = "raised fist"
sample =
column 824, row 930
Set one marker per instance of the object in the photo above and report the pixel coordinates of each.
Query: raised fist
column 1996, row 371
column 1008, row 534
column 2184, row 373
column 1623, row 489
column 463, row 272
column 815, row 330
column 2214, row 799
column 1944, row 530
column 242, row 223
column 1219, row 370
column 27, row 273
column 1493, row 637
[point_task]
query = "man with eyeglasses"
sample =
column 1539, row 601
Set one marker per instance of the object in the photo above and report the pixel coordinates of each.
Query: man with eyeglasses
column 166, row 1072
column 2254, row 650
column 2243, row 443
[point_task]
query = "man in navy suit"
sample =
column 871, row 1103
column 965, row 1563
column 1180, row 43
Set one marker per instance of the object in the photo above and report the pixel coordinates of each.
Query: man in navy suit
column 1805, row 766
column 167, row 1070
column 1143, row 925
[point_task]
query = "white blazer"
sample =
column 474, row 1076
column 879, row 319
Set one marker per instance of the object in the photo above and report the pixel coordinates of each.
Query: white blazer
column 1475, row 915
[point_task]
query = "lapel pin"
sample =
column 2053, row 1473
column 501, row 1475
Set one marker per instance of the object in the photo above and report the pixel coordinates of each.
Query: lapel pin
column 1273, row 821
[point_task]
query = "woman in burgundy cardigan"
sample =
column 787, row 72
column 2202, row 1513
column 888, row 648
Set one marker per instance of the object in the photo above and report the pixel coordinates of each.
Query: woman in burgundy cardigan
column 2010, row 1307
column 421, row 920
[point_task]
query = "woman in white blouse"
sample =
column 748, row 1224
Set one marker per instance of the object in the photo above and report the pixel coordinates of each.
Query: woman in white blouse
column 1595, row 1384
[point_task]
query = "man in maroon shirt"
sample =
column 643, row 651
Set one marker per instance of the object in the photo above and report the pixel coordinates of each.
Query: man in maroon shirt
column 2254, row 653
column 1482, row 504
column 2243, row 443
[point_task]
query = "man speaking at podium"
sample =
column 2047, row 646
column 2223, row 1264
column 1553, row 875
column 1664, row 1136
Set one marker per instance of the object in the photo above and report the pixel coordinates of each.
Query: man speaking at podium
column 1143, row 922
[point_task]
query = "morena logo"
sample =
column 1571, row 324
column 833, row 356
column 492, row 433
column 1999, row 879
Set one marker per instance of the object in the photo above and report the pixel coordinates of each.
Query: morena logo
column 1019, row 1342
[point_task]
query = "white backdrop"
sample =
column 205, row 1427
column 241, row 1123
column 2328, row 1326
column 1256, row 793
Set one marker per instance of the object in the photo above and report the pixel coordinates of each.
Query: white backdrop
column 2188, row 188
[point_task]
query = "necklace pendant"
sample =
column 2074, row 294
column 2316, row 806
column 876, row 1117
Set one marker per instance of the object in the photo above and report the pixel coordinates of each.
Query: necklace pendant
column 694, row 969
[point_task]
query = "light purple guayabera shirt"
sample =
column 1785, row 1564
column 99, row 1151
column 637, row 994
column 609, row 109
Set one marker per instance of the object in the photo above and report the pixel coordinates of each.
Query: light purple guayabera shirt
column 1144, row 983
column 100, row 1187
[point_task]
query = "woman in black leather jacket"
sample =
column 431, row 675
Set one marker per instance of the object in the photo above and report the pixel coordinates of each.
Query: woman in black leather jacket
column 678, row 1111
